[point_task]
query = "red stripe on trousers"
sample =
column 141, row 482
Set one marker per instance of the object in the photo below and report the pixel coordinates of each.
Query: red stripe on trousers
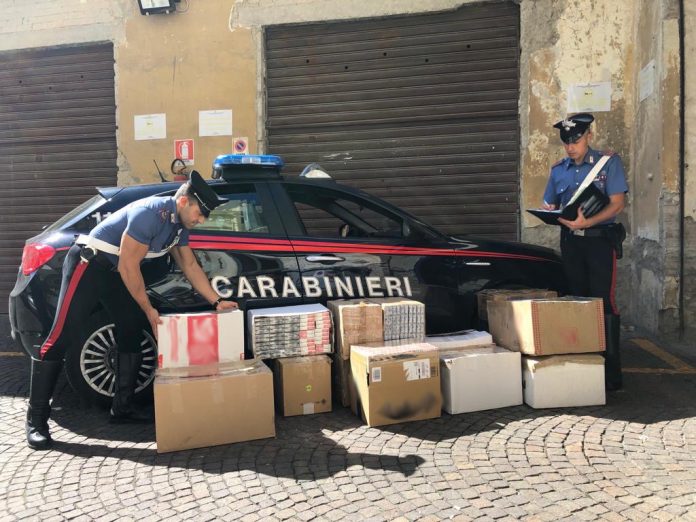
column 64, row 307
column 612, row 289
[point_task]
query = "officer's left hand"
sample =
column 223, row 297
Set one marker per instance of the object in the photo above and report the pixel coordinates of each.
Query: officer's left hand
column 578, row 223
column 227, row 305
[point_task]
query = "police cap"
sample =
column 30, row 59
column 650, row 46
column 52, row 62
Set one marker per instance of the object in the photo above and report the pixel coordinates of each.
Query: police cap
column 204, row 194
column 574, row 127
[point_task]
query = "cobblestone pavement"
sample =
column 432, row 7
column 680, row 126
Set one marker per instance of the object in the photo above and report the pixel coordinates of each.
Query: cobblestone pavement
column 633, row 459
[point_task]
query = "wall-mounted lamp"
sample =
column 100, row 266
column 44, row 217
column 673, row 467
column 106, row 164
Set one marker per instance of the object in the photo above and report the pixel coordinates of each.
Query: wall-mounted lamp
column 148, row 7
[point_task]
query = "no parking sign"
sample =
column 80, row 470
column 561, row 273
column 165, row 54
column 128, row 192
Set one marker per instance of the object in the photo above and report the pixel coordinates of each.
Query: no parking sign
column 240, row 145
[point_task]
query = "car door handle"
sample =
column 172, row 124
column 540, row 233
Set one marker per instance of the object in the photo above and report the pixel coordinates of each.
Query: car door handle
column 478, row 263
column 324, row 258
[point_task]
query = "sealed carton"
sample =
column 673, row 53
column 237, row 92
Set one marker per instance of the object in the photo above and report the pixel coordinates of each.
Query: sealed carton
column 356, row 321
column 303, row 385
column 548, row 326
column 458, row 340
column 200, row 338
column 561, row 381
column 480, row 378
column 194, row 411
column 287, row 331
column 501, row 294
column 395, row 384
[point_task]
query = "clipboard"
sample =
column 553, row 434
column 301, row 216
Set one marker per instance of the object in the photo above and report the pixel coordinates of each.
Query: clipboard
column 591, row 200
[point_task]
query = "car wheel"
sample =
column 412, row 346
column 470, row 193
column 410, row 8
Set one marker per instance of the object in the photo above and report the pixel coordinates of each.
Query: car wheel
column 90, row 366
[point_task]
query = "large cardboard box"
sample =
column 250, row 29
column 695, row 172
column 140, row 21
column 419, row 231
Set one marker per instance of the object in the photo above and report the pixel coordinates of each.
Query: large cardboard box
column 303, row 385
column 395, row 384
column 356, row 321
column 548, row 326
column 234, row 405
column 502, row 294
column 561, row 381
column 480, row 378
column 287, row 331
column 459, row 340
column 200, row 338
column 341, row 379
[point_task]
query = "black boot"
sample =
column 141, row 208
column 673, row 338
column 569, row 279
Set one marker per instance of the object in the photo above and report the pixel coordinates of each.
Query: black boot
column 44, row 375
column 127, row 367
column 612, row 363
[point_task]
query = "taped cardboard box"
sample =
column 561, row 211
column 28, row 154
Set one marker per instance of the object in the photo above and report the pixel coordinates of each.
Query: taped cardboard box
column 480, row 378
column 356, row 321
column 458, row 340
column 340, row 374
column 193, row 411
column 395, row 384
column 501, row 294
column 548, row 326
column 200, row 338
column 560, row 381
column 289, row 331
column 303, row 385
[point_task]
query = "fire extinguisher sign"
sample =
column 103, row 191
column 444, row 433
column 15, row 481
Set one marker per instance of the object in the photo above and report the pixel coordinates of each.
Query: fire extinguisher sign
column 183, row 150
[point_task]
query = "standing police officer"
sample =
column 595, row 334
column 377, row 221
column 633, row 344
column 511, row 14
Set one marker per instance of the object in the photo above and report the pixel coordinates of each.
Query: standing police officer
column 104, row 268
column 589, row 245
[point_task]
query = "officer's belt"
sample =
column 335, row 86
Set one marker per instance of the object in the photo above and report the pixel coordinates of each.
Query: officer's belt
column 108, row 248
column 601, row 231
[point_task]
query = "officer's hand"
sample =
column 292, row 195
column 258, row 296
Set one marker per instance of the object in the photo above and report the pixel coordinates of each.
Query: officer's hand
column 547, row 206
column 578, row 223
column 154, row 319
column 227, row 305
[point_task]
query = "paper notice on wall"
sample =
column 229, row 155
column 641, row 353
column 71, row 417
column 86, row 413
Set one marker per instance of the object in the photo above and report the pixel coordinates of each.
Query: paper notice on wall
column 215, row 123
column 646, row 80
column 150, row 126
column 589, row 97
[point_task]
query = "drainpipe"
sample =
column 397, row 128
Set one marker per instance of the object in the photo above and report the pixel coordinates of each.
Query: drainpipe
column 682, row 166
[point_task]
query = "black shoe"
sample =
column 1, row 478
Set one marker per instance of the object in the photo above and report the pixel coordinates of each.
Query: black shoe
column 44, row 375
column 127, row 368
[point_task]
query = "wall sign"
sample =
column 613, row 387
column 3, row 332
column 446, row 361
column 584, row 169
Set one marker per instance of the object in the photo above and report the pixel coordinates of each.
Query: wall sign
column 183, row 149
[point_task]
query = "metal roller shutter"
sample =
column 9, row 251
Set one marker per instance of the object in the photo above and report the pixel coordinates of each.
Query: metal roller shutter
column 420, row 110
column 57, row 140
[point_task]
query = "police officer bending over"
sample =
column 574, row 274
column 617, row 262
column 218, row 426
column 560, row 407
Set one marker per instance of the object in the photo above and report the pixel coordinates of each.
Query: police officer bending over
column 589, row 245
column 104, row 268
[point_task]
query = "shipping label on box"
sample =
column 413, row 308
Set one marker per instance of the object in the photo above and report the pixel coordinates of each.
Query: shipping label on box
column 502, row 294
column 200, row 338
column 234, row 405
column 395, row 384
column 548, row 326
column 356, row 321
column 303, row 385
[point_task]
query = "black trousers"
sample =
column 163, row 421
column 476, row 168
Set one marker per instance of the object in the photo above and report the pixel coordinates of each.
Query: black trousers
column 83, row 287
column 590, row 267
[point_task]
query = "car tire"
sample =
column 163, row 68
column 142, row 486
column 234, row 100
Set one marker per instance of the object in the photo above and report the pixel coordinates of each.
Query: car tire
column 89, row 366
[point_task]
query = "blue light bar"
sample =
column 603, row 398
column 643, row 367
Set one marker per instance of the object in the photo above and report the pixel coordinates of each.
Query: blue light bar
column 263, row 160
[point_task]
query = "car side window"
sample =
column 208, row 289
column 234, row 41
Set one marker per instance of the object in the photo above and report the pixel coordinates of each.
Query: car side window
column 243, row 213
column 331, row 213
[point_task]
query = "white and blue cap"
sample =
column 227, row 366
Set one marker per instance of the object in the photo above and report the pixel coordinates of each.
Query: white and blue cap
column 204, row 194
column 573, row 127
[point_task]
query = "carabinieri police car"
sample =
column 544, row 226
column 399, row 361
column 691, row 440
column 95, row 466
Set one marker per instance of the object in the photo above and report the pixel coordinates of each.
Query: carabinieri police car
column 278, row 241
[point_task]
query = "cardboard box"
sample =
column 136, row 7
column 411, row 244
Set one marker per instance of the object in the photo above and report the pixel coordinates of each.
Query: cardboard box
column 403, row 318
column 356, row 321
column 288, row 331
column 501, row 294
column 195, row 412
column 457, row 340
column 200, row 338
column 303, row 385
column 340, row 374
column 480, row 378
column 395, row 384
column 561, row 381
column 548, row 326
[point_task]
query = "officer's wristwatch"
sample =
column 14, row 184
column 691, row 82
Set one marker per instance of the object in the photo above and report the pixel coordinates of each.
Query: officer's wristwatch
column 217, row 302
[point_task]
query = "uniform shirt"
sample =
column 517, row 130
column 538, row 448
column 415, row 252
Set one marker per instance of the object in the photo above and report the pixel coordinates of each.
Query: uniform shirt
column 566, row 177
column 151, row 221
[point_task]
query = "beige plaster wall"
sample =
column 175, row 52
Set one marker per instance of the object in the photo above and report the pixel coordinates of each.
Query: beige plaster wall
column 689, row 280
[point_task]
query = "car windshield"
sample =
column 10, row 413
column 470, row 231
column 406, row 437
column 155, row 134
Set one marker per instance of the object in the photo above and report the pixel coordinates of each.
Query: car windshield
column 91, row 204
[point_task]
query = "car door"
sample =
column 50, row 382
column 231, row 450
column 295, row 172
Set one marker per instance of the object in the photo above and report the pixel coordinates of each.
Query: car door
column 351, row 245
column 243, row 249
